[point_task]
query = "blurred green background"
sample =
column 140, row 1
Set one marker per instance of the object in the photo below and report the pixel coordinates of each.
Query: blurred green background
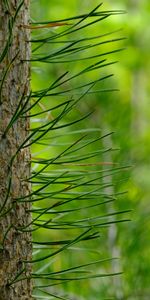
column 127, row 113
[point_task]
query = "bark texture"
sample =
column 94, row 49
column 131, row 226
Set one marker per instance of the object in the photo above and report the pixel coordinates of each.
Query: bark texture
column 15, row 243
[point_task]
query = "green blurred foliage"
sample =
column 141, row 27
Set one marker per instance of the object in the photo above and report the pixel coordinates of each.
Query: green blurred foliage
column 127, row 113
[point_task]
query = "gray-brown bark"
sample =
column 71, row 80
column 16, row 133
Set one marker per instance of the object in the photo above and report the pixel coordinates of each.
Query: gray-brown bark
column 15, row 244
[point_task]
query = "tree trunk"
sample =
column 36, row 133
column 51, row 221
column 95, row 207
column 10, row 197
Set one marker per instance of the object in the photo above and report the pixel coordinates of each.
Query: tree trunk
column 15, row 243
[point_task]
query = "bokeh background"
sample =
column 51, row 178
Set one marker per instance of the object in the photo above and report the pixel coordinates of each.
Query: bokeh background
column 127, row 113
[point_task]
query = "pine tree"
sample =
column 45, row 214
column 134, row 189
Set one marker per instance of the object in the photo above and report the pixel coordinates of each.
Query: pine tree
column 65, row 196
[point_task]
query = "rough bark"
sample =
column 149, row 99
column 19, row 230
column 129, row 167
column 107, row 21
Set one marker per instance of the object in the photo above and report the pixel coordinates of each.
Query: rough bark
column 15, row 244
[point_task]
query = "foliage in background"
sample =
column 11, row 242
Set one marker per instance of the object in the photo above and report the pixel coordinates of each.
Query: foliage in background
column 125, row 112
column 75, row 177
column 131, row 120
